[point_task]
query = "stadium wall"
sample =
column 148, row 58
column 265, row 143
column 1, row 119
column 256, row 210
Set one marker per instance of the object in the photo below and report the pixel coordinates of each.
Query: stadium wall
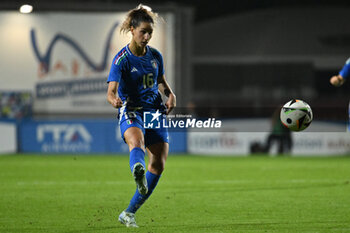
column 316, row 35
column 274, row 54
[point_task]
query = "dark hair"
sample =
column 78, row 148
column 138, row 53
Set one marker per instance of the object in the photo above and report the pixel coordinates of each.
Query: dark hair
column 138, row 15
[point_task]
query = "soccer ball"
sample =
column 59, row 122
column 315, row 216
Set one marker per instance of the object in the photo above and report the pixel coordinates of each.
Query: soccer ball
column 296, row 115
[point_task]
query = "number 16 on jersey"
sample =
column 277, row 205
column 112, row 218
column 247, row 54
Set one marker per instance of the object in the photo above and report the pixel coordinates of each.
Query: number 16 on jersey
column 148, row 81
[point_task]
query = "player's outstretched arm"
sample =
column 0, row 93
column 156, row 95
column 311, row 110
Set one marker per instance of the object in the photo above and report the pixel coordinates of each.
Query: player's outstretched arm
column 344, row 73
column 111, row 95
column 166, row 90
column 337, row 80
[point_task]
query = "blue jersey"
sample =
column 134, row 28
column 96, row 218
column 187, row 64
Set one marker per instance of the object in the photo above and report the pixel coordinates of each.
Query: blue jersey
column 137, row 78
column 345, row 71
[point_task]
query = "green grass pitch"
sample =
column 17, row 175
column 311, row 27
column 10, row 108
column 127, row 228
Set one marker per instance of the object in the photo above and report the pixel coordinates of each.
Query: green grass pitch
column 76, row 194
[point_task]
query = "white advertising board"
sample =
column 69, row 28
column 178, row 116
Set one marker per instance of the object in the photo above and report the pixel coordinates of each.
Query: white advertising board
column 8, row 138
column 321, row 139
column 64, row 58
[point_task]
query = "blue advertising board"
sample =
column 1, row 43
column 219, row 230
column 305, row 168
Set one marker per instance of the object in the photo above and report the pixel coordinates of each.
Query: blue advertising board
column 88, row 136
column 81, row 136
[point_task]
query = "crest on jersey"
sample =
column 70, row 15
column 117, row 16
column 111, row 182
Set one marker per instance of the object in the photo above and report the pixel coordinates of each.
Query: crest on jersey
column 154, row 64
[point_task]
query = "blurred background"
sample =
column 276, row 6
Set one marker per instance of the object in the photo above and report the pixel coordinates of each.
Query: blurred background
column 237, row 61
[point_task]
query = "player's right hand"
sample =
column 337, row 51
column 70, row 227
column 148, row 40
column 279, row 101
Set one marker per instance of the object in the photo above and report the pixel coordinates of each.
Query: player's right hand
column 337, row 80
column 117, row 102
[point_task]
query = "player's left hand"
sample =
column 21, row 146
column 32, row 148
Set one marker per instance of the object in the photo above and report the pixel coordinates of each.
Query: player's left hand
column 337, row 80
column 171, row 103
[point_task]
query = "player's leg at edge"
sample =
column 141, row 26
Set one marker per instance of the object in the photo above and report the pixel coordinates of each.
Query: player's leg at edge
column 146, row 183
column 134, row 137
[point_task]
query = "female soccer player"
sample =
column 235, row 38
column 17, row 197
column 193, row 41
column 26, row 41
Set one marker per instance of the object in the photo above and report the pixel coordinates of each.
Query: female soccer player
column 137, row 73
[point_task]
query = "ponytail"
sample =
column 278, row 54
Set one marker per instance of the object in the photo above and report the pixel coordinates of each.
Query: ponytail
column 138, row 15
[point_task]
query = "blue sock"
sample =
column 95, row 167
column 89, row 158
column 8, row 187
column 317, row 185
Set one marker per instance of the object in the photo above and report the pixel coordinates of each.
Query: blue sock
column 138, row 199
column 137, row 155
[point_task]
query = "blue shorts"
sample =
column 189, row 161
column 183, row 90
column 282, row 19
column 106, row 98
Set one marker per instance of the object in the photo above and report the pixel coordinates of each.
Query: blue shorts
column 129, row 118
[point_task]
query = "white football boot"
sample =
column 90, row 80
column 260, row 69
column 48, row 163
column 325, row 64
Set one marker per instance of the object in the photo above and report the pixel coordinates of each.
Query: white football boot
column 128, row 219
column 139, row 173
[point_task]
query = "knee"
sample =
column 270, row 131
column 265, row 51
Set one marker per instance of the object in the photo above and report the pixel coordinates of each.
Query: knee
column 135, row 142
column 156, row 167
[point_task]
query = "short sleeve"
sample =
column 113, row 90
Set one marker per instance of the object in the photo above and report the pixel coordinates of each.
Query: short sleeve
column 345, row 71
column 158, row 56
column 161, row 65
column 115, row 72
